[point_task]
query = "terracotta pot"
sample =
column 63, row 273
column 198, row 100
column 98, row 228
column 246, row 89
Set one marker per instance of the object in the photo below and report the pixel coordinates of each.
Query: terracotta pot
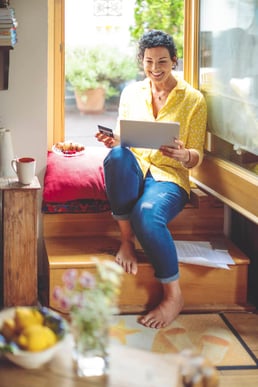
column 90, row 101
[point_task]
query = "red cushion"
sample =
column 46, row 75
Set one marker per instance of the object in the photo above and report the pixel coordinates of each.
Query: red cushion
column 72, row 178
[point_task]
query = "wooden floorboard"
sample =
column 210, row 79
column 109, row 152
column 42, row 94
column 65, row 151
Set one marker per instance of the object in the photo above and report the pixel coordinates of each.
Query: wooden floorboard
column 240, row 378
column 246, row 325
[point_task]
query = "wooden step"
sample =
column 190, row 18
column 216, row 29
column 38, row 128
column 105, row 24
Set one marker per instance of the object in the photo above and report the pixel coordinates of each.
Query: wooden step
column 204, row 214
column 203, row 288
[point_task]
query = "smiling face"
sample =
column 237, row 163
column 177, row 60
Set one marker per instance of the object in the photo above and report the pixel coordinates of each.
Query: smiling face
column 157, row 64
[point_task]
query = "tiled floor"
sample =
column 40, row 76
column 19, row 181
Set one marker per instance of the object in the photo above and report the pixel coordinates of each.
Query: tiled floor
column 82, row 127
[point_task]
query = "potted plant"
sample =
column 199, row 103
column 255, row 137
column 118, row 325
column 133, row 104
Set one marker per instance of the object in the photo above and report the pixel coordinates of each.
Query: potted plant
column 96, row 73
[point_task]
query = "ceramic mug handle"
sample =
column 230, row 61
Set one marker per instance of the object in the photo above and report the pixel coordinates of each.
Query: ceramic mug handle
column 14, row 165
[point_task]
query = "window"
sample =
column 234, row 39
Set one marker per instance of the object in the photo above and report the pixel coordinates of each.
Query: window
column 224, row 172
column 229, row 78
column 227, row 72
column 93, row 22
column 99, row 60
column 100, row 57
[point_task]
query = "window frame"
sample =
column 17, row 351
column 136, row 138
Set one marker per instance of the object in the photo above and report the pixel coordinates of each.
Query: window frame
column 56, row 72
column 232, row 184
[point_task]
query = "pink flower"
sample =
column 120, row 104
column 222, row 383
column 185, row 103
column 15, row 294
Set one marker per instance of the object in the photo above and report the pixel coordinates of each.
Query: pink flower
column 92, row 294
column 78, row 300
column 65, row 303
column 69, row 278
column 87, row 280
column 57, row 293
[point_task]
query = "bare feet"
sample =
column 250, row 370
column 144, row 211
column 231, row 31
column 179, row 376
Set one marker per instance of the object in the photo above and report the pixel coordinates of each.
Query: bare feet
column 126, row 257
column 167, row 310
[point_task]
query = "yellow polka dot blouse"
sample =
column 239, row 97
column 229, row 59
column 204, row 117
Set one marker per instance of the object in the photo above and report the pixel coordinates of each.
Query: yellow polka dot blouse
column 185, row 105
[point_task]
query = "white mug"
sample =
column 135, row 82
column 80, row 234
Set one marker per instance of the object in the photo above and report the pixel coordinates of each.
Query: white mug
column 24, row 167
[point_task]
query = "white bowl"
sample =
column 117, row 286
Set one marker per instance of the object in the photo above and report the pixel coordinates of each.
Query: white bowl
column 32, row 360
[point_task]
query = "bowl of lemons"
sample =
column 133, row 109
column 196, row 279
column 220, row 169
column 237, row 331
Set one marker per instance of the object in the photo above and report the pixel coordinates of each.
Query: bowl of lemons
column 31, row 336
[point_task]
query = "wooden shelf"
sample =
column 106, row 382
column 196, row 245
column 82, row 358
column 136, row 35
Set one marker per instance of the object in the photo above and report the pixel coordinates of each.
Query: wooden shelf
column 4, row 66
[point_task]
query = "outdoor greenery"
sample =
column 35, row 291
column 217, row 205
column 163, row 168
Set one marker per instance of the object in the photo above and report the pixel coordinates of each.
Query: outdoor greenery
column 167, row 16
column 94, row 67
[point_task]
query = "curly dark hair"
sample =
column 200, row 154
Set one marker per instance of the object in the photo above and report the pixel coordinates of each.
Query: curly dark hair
column 156, row 38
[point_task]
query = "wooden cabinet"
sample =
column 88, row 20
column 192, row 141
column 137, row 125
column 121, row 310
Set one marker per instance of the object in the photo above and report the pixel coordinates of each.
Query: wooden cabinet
column 19, row 242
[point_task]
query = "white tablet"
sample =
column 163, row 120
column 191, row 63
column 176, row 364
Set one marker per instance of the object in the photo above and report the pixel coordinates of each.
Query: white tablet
column 148, row 134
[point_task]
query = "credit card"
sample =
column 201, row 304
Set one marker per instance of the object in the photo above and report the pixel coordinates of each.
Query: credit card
column 104, row 130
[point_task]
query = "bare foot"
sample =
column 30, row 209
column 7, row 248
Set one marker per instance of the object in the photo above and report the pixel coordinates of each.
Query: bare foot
column 126, row 257
column 164, row 313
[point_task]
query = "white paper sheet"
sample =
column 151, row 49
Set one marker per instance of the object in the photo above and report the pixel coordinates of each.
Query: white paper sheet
column 202, row 253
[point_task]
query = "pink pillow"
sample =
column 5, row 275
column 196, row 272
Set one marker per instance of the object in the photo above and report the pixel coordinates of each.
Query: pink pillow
column 72, row 178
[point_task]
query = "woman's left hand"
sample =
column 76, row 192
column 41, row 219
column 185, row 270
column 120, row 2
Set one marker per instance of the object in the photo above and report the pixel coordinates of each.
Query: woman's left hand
column 178, row 152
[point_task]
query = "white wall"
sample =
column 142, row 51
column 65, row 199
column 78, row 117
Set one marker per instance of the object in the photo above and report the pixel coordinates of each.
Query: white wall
column 23, row 107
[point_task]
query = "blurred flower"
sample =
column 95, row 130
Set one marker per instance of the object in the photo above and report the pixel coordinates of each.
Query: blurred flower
column 90, row 299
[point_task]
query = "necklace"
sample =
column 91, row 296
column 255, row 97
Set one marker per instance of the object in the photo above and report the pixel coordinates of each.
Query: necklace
column 161, row 96
column 164, row 93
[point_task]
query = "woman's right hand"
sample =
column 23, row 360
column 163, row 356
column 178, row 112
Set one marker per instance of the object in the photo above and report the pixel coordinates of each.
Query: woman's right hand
column 108, row 141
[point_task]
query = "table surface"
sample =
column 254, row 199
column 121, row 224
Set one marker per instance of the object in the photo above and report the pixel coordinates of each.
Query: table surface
column 8, row 183
column 129, row 367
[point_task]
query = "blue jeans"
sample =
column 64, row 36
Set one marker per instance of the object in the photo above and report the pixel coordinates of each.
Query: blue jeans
column 149, row 205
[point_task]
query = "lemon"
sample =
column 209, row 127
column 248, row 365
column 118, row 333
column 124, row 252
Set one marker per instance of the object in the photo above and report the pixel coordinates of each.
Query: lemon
column 8, row 329
column 25, row 317
column 36, row 338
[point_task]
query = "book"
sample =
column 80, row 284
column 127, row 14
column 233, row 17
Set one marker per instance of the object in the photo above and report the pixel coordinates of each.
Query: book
column 8, row 26
column 7, row 12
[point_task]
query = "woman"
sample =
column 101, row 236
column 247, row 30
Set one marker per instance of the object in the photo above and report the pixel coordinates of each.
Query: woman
column 147, row 188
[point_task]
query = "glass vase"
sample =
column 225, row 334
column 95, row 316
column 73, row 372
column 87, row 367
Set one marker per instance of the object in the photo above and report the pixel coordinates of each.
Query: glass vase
column 91, row 341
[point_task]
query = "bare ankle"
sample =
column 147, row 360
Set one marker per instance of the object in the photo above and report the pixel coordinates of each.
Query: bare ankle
column 168, row 309
column 126, row 257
